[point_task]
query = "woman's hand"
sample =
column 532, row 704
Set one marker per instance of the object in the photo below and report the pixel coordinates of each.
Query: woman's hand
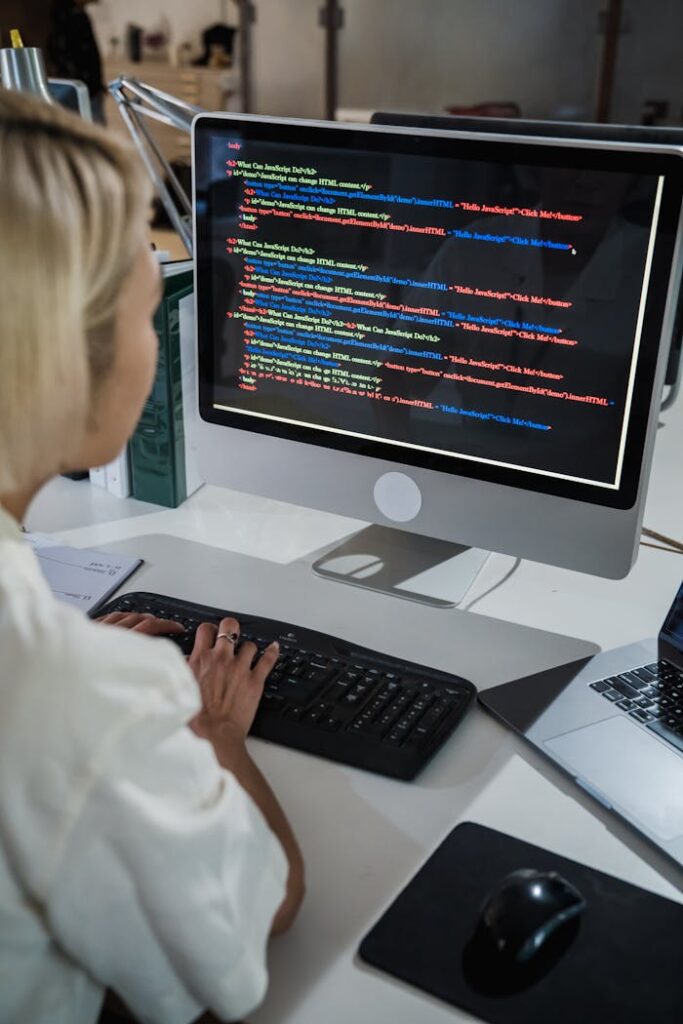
column 142, row 623
column 231, row 682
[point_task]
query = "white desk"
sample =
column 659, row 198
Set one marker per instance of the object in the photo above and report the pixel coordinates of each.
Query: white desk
column 364, row 836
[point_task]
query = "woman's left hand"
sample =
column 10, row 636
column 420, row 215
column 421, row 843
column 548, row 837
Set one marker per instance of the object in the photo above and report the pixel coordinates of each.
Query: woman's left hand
column 142, row 623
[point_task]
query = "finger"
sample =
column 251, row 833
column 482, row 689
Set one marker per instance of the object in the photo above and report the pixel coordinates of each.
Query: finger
column 266, row 663
column 246, row 654
column 112, row 617
column 204, row 638
column 158, row 627
column 127, row 620
column 229, row 626
column 131, row 619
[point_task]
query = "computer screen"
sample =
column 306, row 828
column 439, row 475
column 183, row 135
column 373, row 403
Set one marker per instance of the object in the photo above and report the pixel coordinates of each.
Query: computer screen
column 639, row 135
column 485, row 310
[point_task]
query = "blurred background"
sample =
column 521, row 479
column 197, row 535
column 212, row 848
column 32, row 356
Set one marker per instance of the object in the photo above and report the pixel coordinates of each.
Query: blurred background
column 544, row 56
column 580, row 60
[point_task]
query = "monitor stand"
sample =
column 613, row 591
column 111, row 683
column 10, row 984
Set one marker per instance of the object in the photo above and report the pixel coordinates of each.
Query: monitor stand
column 407, row 565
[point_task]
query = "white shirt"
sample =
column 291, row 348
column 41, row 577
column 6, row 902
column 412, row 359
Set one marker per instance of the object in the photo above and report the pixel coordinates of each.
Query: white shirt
column 128, row 857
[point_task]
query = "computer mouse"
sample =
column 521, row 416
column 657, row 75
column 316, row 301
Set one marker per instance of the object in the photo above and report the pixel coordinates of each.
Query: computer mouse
column 525, row 909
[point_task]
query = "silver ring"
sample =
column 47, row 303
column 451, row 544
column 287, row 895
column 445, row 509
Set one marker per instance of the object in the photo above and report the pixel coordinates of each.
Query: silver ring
column 230, row 637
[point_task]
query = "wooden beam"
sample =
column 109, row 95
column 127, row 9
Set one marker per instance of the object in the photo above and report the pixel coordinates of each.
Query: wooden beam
column 608, row 61
column 332, row 20
column 247, row 18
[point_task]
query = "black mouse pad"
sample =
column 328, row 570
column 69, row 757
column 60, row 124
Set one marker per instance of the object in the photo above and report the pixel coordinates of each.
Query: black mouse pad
column 622, row 961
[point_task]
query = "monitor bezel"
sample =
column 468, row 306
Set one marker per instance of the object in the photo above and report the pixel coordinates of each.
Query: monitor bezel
column 659, row 160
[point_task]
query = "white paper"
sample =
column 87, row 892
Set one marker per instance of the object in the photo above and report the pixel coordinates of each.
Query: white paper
column 42, row 540
column 79, row 576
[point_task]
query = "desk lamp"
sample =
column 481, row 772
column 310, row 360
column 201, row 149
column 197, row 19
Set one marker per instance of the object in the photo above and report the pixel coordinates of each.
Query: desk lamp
column 137, row 101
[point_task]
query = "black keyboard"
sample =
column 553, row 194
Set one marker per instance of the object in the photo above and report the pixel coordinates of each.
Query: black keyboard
column 327, row 697
column 651, row 694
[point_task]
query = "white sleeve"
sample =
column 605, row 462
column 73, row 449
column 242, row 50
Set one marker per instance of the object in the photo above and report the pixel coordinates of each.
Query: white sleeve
column 169, row 880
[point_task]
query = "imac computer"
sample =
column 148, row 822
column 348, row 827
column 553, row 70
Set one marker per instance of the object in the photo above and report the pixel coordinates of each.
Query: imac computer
column 460, row 337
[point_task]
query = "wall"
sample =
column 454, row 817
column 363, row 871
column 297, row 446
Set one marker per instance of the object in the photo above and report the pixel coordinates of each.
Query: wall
column 425, row 54
column 650, row 59
column 540, row 54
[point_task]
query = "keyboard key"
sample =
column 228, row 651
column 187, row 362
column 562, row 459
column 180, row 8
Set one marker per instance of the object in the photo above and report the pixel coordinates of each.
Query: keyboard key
column 625, row 688
column 354, row 699
column 298, row 691
column 329, row 723
column 363, row 722
column 427, row 689
column 645, row 674
column 626, row 705
column 631, row 680
column 377, row 704
column 641, row 715
column 600, row 686
column 272, row 698
column 434, row 715
column 337, row 691
column 612, row 695
column 391, row 713
column 644, row 702
column 363, row 688
column 316, row 675
column 408, row 720
column 316, row 712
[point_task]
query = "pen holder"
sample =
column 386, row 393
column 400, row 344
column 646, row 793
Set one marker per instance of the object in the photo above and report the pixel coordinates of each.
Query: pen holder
column 22, row 69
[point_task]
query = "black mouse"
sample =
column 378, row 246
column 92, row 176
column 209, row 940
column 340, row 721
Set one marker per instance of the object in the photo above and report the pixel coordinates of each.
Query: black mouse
column 525, row 909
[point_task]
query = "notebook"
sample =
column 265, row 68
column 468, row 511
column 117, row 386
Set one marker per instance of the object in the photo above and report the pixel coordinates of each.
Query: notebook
column 79, row 576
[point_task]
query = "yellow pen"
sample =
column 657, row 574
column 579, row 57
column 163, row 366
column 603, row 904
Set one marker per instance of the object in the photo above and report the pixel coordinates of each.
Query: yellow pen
column 15, row 39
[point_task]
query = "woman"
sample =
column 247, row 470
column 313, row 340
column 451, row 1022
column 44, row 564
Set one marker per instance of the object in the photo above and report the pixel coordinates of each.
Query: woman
column 136, row 854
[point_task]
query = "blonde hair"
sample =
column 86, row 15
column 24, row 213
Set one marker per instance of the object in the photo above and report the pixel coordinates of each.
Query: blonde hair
column 73, row 206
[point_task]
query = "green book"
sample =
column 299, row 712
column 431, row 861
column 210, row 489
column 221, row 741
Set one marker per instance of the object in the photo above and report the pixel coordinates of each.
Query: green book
column 159, row 451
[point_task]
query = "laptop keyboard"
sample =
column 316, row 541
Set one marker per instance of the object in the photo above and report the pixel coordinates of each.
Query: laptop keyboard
column 652, row 695
column 330, row 698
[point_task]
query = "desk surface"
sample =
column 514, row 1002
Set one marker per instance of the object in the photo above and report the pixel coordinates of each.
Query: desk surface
column 364, row 836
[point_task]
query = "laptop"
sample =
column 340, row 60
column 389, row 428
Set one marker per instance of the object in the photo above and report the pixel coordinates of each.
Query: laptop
column 614, row 722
